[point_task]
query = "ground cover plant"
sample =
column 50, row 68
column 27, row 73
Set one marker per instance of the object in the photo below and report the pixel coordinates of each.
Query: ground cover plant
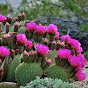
column 29, row 49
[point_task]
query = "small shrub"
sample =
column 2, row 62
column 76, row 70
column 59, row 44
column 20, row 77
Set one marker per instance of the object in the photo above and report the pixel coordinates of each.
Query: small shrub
column 48, row 83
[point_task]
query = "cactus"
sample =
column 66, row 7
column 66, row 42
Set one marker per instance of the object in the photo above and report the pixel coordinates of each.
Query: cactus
column 42, row 51
column 52, row 54
column 56, row 72
column 27, row 72
column 11, row 70
column 8, row 85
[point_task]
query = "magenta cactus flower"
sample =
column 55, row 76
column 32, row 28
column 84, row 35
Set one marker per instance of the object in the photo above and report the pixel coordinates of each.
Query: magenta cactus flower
column 52, row 29
column 21, row 39
column 57, row 35
column 64, row 53
column 78, row 69
column 41, row 30
column 41, row 49
column 74, row 61
column 74, row 44
column 80, row 76
column 78, row 50
column 28, row 44
column 66, row 39
column 3, row 52
column 82, row 60
column 31, row 26
column 2, row 18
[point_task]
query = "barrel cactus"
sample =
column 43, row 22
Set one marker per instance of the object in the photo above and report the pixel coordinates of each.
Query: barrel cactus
column 43, row 51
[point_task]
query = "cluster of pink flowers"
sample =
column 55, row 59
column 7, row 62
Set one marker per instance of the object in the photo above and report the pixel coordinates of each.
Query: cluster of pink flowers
column 74, row 44
column 41, row 49
column 28, row 44
column 3, row 52
column 78, row 62
column 31, row 26
column 41, row 30
column 64, row 53
column 2, row 18
column 74, row 61
column 80, row 76
column 52, row 29
column 21, row 39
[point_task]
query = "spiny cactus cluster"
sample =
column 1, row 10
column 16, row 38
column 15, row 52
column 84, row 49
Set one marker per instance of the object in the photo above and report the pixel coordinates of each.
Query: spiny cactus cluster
column 28, row 50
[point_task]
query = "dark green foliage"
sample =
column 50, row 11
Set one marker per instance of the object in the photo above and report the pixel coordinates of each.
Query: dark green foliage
column 8, row 85
column 55, row 71
column 11, row 70
column 48, row 83
column 3, row 9
column 83, row 28
column 26, row 72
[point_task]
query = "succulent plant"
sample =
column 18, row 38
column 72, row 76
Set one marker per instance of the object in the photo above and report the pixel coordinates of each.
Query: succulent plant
column 42, row 50
column 12, row 67
column 48, row 83
column 8, row 85
column 27, row 72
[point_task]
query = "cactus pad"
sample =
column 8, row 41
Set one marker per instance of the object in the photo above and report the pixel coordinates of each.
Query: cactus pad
column 56, row 72
column 27, row 72
column 11, row 70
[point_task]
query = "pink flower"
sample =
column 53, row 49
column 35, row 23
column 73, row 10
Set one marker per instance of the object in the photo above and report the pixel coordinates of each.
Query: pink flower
column 2, row 18
column 66, row 39
column 78, row 69
column 52, row 29
column 31, row 26
column 28, row 44
column 41, row 30
column 41, row 49
column 74, row 44
column 57, row 35
column 80, row 76
column 74, row 61
column 63, row 53
column 21, row 39
column 82, row 60
column 78, row 50
column 3, row 52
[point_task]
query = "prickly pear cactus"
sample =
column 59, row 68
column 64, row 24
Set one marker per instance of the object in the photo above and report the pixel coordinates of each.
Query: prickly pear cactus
column 11, row 70
column 53, row 71
column 26, row 72
column 42, row 50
